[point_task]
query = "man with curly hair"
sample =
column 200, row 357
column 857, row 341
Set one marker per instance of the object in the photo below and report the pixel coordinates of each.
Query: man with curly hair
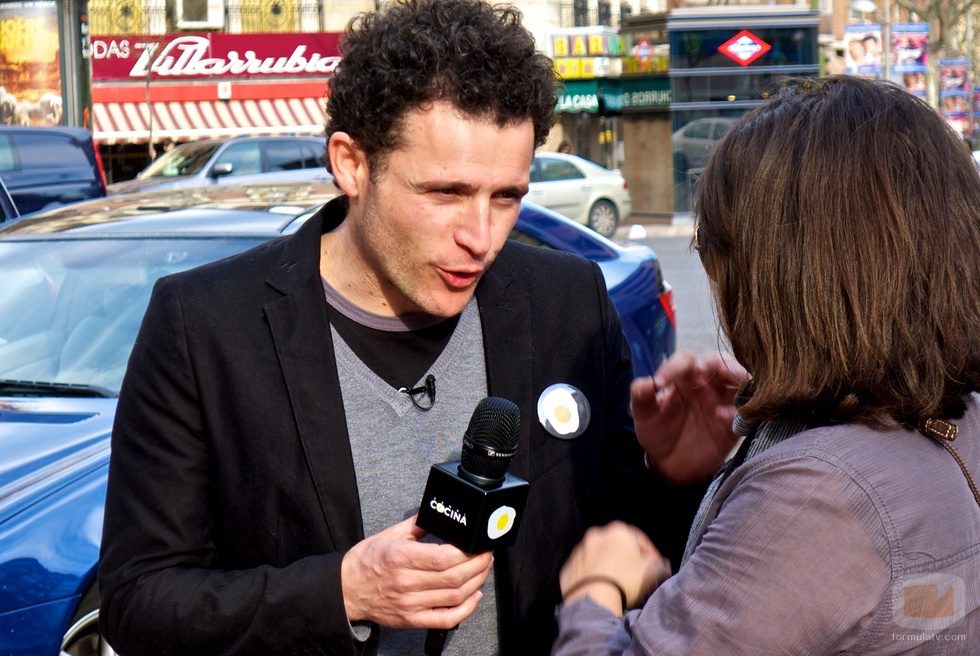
column 266, row 460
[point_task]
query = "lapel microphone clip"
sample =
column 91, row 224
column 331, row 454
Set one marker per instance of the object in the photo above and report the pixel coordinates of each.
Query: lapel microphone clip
column 428, row 388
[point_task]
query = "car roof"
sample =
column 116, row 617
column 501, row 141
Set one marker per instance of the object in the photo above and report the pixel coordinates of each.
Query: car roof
column 79, row 134
column 581, row 161
column 253, row 137
column 219, row 210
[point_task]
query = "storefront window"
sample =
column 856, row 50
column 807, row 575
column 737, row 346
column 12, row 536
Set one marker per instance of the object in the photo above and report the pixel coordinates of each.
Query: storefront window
column 699, row 48
column 730, row 87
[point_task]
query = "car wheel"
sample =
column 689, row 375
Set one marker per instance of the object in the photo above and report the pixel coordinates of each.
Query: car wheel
column 83, row 637
column 603, row 218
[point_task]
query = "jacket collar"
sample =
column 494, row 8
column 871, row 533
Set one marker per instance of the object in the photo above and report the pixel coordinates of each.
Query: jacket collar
column 300, row 257
column 301, row 332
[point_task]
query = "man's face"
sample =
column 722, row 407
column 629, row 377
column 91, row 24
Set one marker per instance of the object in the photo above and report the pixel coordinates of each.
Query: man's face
column 434, row 218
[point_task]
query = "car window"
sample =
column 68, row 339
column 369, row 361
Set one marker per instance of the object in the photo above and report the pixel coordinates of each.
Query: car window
column 285, row 155
column 70, row 310
column 556, row 169
column 535, row 176
column 8, row 158
column 244, row 157
column 183, row 160
column 720, row 128
column 40, row 151
column 315, row 154
column 697, row 130
column 523, row 237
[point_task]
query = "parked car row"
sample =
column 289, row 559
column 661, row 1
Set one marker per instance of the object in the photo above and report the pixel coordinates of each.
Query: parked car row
column 76, row 284
column 46, row 167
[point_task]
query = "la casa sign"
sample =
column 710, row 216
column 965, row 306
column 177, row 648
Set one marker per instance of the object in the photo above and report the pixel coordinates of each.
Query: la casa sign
column 214, row 56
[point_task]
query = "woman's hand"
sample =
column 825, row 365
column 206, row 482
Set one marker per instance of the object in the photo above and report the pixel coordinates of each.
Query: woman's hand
column 683, row 414
column 613, row 558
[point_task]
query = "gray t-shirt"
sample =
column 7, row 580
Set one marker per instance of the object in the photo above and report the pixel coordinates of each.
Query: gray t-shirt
column 394, row 444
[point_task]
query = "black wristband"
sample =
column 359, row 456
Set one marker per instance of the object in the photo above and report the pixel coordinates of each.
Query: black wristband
column 598, row 578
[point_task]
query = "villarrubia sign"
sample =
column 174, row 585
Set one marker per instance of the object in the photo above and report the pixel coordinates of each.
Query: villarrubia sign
column 744, row 48
column 189, row 56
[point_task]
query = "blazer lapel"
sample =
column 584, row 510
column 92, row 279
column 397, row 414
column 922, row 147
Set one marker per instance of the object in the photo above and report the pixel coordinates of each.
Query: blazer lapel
column 301, row 331
column 506, row 321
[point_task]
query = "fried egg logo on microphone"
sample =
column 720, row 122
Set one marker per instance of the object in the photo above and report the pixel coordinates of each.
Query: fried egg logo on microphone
column 500, row 522
column 448, row 511
column 564, row 411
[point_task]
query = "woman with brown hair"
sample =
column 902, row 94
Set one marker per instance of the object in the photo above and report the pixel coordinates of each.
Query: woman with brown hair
column 839, row 224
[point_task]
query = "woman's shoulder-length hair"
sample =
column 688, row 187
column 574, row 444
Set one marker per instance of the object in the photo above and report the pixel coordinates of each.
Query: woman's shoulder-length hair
column 840, row 226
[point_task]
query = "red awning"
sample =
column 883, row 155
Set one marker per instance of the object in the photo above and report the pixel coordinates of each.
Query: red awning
column 128, row 122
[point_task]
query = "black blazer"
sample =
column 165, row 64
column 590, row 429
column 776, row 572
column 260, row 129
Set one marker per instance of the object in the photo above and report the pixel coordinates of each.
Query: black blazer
column 232, row 496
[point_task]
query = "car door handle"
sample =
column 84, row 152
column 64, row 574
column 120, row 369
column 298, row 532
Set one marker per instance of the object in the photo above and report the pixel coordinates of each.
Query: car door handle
column 586, row 188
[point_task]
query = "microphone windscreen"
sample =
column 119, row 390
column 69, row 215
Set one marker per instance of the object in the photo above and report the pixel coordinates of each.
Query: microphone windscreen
column 491, row 438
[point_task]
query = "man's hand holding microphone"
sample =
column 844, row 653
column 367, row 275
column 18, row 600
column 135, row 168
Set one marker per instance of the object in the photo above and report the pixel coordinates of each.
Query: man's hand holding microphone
column 394, row 580
column 474, row 505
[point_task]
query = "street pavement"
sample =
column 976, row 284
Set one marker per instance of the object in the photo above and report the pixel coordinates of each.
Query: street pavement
column 697, row 328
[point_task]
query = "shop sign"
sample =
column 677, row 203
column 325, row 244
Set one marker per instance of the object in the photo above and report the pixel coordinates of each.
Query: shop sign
column 214, row 55
column 658, row 63
column 612, row 95
column 744, row 48
column 579, row 97
column 591, row 43
column 578, row 68
column 645, row 93
column 559, row 46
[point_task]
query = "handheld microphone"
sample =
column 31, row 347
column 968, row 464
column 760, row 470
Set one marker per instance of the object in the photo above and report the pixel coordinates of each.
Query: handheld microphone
column 473, row 503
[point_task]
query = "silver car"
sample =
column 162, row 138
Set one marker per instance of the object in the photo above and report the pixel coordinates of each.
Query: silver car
column 694, row 141
column 581, row 190
column 242, row 160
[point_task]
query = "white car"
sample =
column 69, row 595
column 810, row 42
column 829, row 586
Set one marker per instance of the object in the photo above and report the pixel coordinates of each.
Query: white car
column 581, row 190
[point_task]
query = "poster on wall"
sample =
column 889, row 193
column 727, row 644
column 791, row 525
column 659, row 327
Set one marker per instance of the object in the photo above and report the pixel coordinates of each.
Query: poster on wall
column 954, row 92
column 30, row 67
column 862, row 49
column 910, row 55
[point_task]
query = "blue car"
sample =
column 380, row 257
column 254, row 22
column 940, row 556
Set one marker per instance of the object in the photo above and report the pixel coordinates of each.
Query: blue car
column 76, row 282
column 46, row 167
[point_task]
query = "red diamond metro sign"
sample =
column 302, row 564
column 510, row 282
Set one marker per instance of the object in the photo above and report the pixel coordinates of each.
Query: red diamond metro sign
column 744, row 48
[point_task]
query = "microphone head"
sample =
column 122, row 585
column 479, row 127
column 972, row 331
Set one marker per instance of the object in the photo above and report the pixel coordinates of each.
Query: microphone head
column 490, row 441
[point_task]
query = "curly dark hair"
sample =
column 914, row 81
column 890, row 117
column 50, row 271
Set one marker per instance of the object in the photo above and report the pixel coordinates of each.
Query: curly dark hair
column 475, row 55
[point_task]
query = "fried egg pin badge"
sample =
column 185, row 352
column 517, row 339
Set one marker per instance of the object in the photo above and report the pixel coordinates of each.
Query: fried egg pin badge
column 564, row 411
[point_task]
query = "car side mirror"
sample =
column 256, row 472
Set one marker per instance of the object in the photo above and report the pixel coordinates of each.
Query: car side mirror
column 222, row 169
